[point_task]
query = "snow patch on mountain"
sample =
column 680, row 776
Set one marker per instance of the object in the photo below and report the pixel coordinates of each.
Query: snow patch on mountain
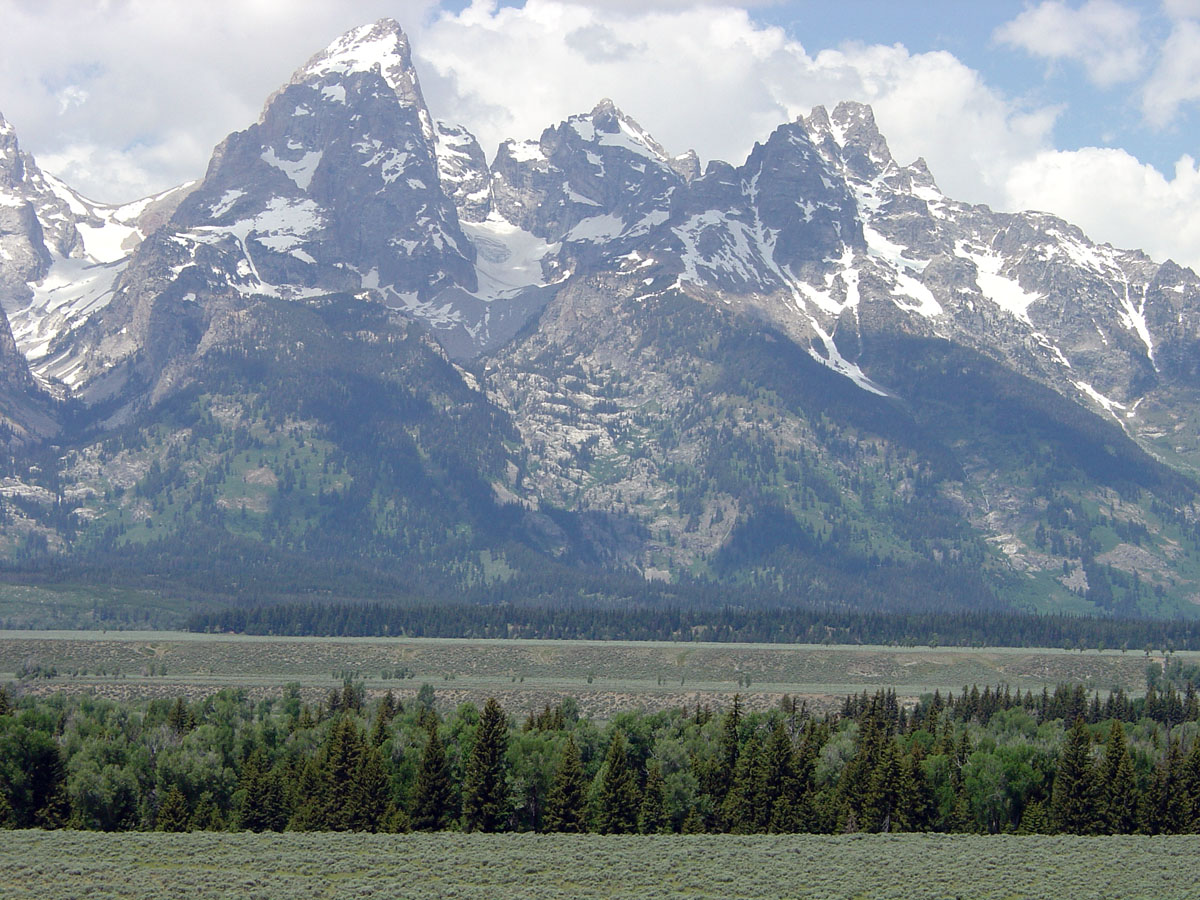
column 1005, row 292
column 507, row 258
column 300, row 171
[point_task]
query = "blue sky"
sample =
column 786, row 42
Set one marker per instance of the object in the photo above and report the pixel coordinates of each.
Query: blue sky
column 1084, row 108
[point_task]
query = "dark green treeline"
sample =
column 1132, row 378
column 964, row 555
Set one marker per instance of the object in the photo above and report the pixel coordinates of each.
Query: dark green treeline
column 983, row 761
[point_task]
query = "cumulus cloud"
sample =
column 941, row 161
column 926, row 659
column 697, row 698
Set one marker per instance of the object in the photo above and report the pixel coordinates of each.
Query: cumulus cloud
column 1101, row 35
column 1182, row 9
column 133, row 94
column 716, row 81
column 1176, row 78
column 1116, row 198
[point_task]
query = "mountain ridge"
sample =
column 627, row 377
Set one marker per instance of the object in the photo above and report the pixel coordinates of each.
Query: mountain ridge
column 657, row 360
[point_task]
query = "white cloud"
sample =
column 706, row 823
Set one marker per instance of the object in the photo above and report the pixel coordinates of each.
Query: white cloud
column 1182, row 9
column 1176, row 78
column 134, row 83
column 1115, row 198
column 1101, row 35
column 715, row 80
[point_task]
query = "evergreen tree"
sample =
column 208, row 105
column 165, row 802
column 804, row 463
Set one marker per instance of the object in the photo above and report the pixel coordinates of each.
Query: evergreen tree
column 743, row 808
column 652, row 818
column 261, row 802
column 369, row 801
column 803, row 817
column 179, row 717
column 780, row 794
column 33, row 777
column 565, row 805
column 310, row 811
column 1166, row 807
column 1034, row 819
column 1074, row 801
column 327, row 800
column 1191, row 788
column 379, row 730
column 730, row 748
column 342, row 760
column 174, row 814
column 433, row 789
column 890, row 793
column 921, row 813
column 6, row 701
column 485, row 784
column 693, row 822
column 618, row 799
column 8, row 818
column 855, row 781
column 1120, row 797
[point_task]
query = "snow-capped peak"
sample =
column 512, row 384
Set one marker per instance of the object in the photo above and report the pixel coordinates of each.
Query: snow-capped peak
column 381, row 47
column 612, row 127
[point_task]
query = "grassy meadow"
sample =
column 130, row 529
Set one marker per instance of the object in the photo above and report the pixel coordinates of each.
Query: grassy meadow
column 603, row 676
column 138, row 866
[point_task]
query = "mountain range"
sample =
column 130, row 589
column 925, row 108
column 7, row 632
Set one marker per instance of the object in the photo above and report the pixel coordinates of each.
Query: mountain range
column 356, row 358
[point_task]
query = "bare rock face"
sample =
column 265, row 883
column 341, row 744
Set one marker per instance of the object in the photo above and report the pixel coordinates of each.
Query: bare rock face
column 24, row 255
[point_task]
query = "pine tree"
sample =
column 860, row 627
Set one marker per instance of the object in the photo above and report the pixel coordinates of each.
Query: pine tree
column 179, row 717
column 261, row 802
column 618, row 799
column 730, row 749
column 1120, row 797
column 652, row 818
column 743, row 808
column 311, row 812
column 342, row 759
column 370, row 791
column 1191, row 788
column 855, row 780
column 780, row 794
column 433, row 789
column 565, row 805
column 6, row 701
column 379, row 730
column 8, row 818
column 1165, row 808
column 174, row 814
column 693, row 823
column 921, row 815
column 485, row 785
column 1074, row 801
column 890, row 793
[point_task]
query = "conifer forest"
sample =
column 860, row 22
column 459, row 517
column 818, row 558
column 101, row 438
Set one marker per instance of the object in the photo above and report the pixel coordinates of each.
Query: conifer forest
column 977, row 761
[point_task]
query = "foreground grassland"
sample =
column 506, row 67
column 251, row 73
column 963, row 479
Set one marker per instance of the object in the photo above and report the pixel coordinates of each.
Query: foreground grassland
column 134, row 866
column 526, row 674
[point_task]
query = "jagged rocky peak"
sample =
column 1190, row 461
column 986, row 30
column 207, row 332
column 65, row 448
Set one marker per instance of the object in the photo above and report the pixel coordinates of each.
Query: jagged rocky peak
column 687, row 165
column 10, row 154
column 606, row 118
column 799, row 195
column 35, row 222
column 337, row 186
column 597, row 177
column 381, row 47
column 464, row 172
column 850, row 139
